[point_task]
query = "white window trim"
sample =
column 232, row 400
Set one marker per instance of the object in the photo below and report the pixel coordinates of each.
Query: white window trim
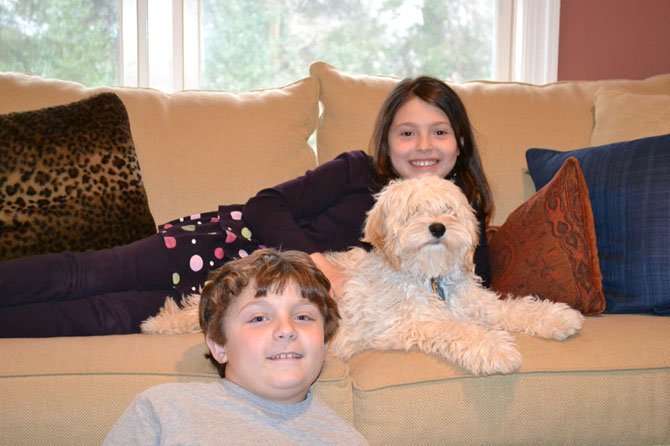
column 526, row 48
column 192, row 51
column 527, row 41
column 178, row 36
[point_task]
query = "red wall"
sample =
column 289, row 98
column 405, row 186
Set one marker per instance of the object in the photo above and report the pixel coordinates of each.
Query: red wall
column 608, row 39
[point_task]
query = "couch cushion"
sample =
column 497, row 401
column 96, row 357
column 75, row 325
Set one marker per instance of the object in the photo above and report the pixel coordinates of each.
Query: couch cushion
column 65, row 391
column 629, row 186
column 507, row 118
column 71, row 179
column 547, row 246
column 622, row 116
column 198, row 149
column 607, row 385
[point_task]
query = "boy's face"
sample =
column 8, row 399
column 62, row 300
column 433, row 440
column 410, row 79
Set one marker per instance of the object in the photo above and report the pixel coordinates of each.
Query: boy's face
column 275, row 344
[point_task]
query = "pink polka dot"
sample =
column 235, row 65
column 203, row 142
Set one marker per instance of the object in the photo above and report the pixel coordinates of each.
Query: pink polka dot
column 196, row 263
column 230, row 237
column 218, row 253
column 167, row 226
column 195, row 216
column 242, row 253
column 236, row 215
column 170, row 242
column 215, row 219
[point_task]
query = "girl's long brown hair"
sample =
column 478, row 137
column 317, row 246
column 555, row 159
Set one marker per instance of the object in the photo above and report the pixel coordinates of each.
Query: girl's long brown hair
column 468, row 170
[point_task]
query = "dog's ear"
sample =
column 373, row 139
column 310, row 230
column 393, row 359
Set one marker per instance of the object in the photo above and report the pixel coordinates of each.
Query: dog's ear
column 473, row 229
column 391, row 258
column 468, row 266
column 373, row 232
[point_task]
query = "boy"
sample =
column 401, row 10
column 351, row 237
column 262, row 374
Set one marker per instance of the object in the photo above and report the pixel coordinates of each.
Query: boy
column 267, row 320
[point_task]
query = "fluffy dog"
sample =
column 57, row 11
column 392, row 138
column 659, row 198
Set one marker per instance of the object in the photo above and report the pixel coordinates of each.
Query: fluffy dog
column 417, row 287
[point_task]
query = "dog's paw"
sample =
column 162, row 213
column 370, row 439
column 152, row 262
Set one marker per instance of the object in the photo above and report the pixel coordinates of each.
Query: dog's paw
column 560, row 323
column 494, row 353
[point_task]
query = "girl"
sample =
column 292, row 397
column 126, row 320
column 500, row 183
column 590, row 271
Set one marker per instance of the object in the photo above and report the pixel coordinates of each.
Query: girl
column 422, row 128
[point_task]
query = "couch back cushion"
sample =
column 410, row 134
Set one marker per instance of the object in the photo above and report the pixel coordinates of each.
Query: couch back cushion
column 508, row 118
column 623, row 116
column 198, row 149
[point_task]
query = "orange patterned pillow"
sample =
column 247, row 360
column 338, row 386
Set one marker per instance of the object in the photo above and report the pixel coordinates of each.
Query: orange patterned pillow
column 547, row 246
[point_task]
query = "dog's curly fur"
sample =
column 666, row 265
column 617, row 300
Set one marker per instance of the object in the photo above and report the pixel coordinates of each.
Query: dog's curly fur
column 424, row 231
column 173, row 318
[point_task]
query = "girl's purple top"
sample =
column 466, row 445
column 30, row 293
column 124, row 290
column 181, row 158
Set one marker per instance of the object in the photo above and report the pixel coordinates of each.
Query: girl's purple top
column 323, row 210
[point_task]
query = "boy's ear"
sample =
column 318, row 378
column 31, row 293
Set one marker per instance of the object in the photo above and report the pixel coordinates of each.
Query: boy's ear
column 217, row 350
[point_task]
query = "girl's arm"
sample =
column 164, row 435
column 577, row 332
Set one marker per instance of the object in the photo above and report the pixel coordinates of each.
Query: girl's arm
column 333, row 274
column 279, row 216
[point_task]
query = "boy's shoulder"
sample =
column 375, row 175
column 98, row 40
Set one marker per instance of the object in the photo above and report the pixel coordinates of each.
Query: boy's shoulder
column 331, row 421
column 171, row 390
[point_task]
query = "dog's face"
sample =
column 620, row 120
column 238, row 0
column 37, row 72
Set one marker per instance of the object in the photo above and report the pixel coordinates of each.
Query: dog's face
column 425, row 226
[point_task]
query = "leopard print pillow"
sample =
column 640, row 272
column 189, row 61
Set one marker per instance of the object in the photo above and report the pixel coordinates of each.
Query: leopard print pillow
column 70, row 179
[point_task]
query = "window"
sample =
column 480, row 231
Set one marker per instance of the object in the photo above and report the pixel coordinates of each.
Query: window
column 66, row 39
column 239, row 45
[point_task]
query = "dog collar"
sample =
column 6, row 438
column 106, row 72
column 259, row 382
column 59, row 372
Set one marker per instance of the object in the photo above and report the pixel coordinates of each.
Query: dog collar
column 436, row 285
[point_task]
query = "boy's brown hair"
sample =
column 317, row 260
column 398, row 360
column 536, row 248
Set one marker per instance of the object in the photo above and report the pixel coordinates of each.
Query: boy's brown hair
column 269, row 270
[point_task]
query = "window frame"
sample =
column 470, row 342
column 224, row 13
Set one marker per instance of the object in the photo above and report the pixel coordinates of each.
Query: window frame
column 525, row 50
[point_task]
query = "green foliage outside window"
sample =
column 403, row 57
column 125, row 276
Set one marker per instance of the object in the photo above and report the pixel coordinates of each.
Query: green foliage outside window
column 263, row 43
column 64, row 39
column 249, row 44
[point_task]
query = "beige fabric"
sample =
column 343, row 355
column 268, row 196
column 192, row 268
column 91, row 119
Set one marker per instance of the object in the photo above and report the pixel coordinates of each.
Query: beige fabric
column 607, row 342
column 199, row 149
column 349, row 109
column 624, row 116
column 69, row 391
column 608, row 385
column 164, row 355
column 508, row 118
column 572, row 408
column 66, row 410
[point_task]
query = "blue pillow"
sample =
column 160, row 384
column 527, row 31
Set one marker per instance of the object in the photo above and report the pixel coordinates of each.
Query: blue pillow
column 629, row 188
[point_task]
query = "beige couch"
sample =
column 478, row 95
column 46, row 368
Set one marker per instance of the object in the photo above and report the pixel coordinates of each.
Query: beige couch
column 608, row 385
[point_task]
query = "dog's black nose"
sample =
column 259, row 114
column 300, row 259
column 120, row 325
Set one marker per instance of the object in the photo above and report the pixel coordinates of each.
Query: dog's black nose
column 437, row 229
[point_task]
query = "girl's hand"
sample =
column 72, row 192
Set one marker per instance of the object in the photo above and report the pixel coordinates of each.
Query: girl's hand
column 333, row 274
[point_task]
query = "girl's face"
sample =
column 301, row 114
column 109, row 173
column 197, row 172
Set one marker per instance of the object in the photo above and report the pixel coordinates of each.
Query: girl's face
column 421, row 140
